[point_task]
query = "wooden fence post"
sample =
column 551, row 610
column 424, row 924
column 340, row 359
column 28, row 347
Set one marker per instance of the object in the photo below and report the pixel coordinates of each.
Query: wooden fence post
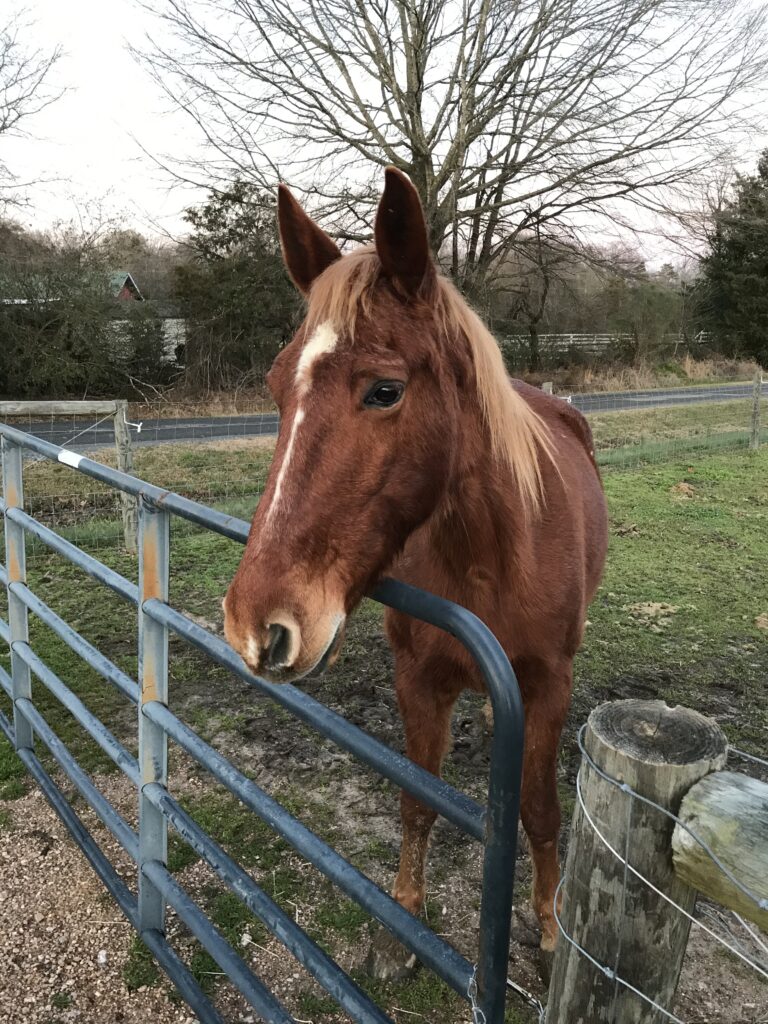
column 548, row 387
column 659, row 752
column 125, row 465
column 757, row 394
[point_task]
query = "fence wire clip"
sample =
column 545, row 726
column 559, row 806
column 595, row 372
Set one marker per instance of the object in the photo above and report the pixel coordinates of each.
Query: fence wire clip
column 138, row 426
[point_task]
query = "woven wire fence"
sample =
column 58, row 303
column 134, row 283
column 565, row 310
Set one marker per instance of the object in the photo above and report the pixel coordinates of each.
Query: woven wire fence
column 723, row 928
column 214, row 454
column 632, row 428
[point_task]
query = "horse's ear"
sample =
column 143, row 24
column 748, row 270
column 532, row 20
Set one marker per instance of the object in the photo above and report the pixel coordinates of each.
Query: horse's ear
column 307, row 250
column 402, row 242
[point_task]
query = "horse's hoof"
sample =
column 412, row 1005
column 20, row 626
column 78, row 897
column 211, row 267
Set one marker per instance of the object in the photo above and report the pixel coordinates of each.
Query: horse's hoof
column 546, row 960
column 388, row 959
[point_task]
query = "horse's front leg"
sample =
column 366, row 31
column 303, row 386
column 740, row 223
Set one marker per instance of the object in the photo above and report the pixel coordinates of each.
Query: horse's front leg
column 426, row 713
column 425, row 708
column 547, row 697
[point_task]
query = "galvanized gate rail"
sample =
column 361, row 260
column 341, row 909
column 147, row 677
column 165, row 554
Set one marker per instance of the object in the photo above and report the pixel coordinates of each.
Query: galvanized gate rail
column 495, row 825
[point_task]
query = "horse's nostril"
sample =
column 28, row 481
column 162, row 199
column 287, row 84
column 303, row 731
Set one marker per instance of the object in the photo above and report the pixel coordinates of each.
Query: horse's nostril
column 278, row 646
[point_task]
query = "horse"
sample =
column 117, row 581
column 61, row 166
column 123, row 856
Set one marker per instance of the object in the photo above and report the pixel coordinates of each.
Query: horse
column 405, row 448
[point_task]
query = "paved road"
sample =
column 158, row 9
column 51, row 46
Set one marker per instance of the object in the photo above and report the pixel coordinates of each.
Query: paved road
column 76, row 434
column 614, row 401
column 80, row 435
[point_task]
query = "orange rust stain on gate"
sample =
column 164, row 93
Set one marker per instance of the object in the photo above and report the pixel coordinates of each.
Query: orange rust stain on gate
column 14, row 569
column 151, row 574
column 148, row 680
column 151, row 581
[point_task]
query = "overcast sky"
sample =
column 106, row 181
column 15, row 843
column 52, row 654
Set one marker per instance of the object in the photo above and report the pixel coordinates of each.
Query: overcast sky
column 84, row 140
column 88, row 143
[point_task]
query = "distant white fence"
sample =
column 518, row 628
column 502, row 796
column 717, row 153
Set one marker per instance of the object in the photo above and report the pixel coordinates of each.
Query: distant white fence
column 596, row 342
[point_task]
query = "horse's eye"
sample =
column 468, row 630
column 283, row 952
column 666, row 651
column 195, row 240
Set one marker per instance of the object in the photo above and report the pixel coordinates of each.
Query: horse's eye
column 384, row 394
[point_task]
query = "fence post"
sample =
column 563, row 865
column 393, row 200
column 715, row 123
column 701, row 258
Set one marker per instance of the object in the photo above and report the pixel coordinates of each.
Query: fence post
column 153, row 679
column 757, row 394
column 614, row 915
column 125, row 465
column 18, row 619
column 548, row 387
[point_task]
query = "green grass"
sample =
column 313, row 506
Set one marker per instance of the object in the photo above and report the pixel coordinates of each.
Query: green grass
column 424, row 995
column 702, row 549
column 61, row 1001
column 13, row 774
column 340, row 918
column 233, row 920
column 629, row 438
column 243, row 835
column 140, row 969
column 311, row 1005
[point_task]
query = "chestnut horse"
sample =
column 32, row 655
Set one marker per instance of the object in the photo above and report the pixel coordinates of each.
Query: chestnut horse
column 405, row 448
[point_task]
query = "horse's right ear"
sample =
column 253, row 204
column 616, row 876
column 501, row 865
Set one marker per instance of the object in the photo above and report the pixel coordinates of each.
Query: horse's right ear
column 307, row 250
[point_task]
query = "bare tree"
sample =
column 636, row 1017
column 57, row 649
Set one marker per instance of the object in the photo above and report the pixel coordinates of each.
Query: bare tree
column 25, row 86
column 506, row 114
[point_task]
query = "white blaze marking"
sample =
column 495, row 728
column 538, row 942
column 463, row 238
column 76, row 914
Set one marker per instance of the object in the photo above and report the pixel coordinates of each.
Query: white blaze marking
column 298, row 419
column 322, row 342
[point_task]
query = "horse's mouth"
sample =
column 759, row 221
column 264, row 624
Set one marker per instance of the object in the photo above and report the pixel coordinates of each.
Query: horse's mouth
column 328, row 657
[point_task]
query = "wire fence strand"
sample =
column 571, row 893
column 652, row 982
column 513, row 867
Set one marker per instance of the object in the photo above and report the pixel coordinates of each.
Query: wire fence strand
column 736, row 946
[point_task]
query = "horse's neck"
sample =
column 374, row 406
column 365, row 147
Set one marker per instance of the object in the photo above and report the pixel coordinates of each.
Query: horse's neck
column 476, row 532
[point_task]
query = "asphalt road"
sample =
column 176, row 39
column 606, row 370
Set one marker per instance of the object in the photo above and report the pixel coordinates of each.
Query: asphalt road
column 76, row 434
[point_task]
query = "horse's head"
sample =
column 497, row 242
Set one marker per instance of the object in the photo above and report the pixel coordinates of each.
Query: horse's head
column 370, row 393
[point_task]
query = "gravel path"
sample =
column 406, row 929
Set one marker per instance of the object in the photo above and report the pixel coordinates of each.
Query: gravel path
column 62, row 941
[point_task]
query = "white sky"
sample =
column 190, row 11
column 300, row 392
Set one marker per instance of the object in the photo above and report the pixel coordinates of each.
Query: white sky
column 86, row 145
column 84, row 140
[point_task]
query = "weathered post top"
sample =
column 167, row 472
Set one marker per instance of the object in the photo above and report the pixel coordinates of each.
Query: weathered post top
column 657, row 750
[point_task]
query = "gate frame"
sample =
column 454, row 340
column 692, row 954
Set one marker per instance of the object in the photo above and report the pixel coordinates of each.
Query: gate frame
column 495, row 825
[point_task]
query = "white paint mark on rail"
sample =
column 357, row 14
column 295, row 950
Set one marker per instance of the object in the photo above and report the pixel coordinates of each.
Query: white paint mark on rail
column 70, row 458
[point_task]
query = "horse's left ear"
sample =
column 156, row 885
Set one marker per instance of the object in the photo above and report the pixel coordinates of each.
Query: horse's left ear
column 402, row 242
column 307, row 250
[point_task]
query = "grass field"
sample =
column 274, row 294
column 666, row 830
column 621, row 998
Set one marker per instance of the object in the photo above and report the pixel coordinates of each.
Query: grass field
column 677, row 617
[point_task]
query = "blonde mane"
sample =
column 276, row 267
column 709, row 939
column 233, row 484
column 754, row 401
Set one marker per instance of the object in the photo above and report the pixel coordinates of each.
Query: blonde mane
column 517, row 433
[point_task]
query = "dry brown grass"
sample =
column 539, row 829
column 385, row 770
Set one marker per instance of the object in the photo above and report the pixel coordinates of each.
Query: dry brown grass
column 178, row 405
column 636, row 378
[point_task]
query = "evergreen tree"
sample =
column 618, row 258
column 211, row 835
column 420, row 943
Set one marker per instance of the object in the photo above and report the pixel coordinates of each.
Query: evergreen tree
column 734, row 289
column 239, row 304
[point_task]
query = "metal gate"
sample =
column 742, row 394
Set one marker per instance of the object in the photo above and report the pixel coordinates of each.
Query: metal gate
column 494, row 825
